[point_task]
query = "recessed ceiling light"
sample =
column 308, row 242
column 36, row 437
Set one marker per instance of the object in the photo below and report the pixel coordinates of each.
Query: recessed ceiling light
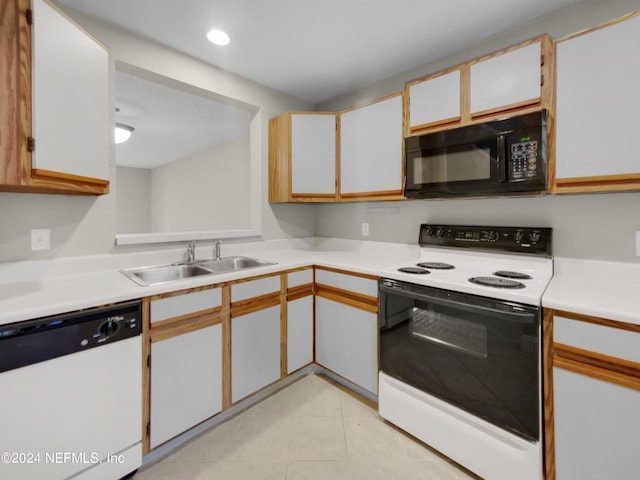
column 218, row 37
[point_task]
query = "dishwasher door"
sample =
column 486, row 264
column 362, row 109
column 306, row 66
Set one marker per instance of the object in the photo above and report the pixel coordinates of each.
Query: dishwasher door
column 78, row 415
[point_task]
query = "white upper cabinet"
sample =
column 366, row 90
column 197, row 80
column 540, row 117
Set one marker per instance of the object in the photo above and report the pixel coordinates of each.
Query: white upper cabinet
column 435, row 100
column 597, row 109
column 313, row 154
column 510, row 78
column 70, row 98
column 371, row 146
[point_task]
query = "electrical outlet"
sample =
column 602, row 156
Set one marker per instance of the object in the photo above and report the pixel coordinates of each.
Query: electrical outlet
column 40, row 239
column 638, row 244
column 365, row 229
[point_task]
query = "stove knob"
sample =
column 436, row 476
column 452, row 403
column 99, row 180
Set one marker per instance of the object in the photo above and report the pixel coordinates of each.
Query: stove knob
column 429, row 231
column 493, row 236
column 518, row 236
column 534, row 236
column 484, row 236
column 440, row 233
column 108, row 329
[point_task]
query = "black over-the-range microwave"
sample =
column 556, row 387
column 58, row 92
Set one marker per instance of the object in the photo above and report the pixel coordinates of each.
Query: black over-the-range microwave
column 502, row 157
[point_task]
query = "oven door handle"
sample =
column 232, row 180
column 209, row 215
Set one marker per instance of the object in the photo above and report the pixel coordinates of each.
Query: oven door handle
column 515, row 314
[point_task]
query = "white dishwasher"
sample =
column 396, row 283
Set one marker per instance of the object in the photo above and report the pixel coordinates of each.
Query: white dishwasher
column 71, row 395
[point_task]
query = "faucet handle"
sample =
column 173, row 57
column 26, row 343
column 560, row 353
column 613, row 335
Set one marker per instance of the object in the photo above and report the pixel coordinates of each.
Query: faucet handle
column 191, row 251
column 217, row 250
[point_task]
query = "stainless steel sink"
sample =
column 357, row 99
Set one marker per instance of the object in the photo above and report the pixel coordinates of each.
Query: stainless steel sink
column 146, row 276
column 233, row 264
column 156, row 275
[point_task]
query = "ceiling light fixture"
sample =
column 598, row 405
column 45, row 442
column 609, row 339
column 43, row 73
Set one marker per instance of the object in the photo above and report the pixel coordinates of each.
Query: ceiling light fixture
column 122, row 132
column 218, row 37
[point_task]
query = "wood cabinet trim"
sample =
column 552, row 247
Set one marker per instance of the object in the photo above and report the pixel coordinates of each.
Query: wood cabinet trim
column 372, row 102
column 184, row 324
column 601, row 183
column 250, row 305
column 631, row 327
column 146, row 375
column 596, row 360
column 347, row 272
column 353, row 299
column 547, row 395
column 604, row 374
column 600, row 27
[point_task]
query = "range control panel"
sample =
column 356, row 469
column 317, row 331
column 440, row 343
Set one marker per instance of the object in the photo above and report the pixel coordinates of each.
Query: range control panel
column 530, row 240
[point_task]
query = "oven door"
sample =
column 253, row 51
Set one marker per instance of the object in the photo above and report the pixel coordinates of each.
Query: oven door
column 442, row 165
column 477, row 353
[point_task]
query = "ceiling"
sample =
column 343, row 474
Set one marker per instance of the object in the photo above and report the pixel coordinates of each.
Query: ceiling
column 318, row 49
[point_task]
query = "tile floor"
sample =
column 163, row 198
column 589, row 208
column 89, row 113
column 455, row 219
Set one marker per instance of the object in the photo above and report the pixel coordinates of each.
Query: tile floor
column 310, row 430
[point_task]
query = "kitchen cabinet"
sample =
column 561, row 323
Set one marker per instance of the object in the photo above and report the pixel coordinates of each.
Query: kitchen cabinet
column 299, row 320
column 597, row 104
column 186, row 382
column 592, row 397
column 255, row 335
column 371, row 150
column 302, row 157
column 434, row 101
column 518, row 79
column 183, row 374
column 347, row 326
column 54, row 108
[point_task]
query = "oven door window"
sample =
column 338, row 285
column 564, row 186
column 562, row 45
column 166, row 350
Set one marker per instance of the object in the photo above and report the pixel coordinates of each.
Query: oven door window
column 481, row 358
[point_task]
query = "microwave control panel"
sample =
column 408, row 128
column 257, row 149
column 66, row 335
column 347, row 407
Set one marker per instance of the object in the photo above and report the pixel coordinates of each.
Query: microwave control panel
column 524, row 159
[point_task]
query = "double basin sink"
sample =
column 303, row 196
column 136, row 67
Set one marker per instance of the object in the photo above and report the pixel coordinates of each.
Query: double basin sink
column 147, row 276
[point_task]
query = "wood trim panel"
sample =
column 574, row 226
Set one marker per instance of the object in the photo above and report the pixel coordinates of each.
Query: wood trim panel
column 313, row 197
column 177, row 293
column 88, row 184
column 514, row 108
column 373, row 102
column 185, row 324
column 603, row 374
column 602, row 183
column 417, row 129
column 226, row 347
column 631, row 327
column 146, row 374
column 549, row 448
column 601, row 26
column 301, row 291
column 255, row 304
column 596, row 360
column 284, row 319
column 280, row 158
column 379, row 195
column 347, row 272
column 353, row 299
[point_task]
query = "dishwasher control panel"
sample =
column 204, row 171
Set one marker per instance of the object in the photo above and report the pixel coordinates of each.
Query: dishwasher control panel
column 34, row 341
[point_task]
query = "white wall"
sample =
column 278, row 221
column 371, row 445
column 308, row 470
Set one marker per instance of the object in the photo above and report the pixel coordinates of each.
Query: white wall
column 133, row 200
column 204, row 191
column 87, row 225
column 599, row 226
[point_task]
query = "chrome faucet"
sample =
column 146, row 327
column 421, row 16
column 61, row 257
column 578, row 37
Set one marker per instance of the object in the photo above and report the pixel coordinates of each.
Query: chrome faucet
column 217, row 251
column 191, row 251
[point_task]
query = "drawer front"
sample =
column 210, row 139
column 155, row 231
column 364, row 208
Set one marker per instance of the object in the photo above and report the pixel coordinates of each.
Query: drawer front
column 352, row 283
column 171, row 307
column 255, row 288
column 597, row 338
column 301, row 277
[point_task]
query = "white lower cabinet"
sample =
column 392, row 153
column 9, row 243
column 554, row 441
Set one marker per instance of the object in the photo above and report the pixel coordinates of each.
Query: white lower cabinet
column 299, row 333
column 346, row 342
column 255, row 351
column 186, row 382
column 597, row 428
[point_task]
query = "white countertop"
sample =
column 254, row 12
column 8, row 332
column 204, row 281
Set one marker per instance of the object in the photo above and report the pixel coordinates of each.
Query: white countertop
column 609, row 290
column 36, row 289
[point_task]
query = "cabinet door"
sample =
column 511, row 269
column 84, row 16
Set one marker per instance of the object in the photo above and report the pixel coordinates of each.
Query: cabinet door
column 313, row 154
column 597, row 428
column 299, row 333
column 186, row 382
column 255, row 351
column 597, row 105
column 70, row 97
column 509, row 79
column 346, row 342
column 371, row 145
column 435, row 100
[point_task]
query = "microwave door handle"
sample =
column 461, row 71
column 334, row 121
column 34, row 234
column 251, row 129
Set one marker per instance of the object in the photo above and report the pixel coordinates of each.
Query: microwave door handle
column 501, row 158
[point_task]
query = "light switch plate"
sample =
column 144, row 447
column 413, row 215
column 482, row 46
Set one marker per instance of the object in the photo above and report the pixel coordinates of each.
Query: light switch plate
column 638, row 244
column 365, row 229
column 40, row 239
